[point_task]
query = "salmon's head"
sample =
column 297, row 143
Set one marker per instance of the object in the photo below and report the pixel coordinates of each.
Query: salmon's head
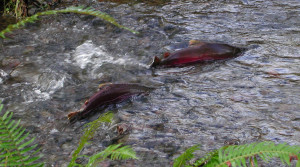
column 73, row 116
column 156, row 62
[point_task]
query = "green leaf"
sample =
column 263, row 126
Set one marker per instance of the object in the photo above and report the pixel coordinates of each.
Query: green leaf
column 12, row 130
column 3, row 135
column 16, row 132
column 89, row 132
column 255, row 161
column 22, row 138
column 10, row 124
column 243, row 160
column 237, row 155
column 186, row 156
column 29, row 161
column 14, row 151
column 72, row 9
column 28, row 149
column 115, row 152
column 9, row 154
column 211, row 156
column 1, row 106
column 7, row 120
column 7, row 145
column 25, row 144
column 5, row 115
column 19, row 134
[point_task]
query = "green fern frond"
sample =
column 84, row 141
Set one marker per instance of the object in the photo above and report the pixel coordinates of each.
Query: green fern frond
column 14, row 149
column 89, row 132
column 209, row 157
column 186, row 156
column 90, row 127
column 119, row 153
column 72, row 9
column 239, row 155
column 115, row 152
column 242, row 155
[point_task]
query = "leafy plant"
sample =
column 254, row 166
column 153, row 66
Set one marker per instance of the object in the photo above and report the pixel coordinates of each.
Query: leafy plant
column 242, row 155
column 114, row 151
column 186, row 156
column 72, row 9
column 209, row 157
column 89, row 132
column 16, row 149
column 16, row 8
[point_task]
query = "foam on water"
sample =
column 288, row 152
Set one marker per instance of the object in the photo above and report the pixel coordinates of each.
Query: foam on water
column 51, row 81
column 88, row 54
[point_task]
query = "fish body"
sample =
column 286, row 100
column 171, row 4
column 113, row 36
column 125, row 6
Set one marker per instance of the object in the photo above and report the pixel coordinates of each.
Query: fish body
column 107, row 94
column 197, row 53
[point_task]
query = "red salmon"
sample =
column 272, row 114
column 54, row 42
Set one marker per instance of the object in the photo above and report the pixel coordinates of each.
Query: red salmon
column 108, row 94
column 199, row 52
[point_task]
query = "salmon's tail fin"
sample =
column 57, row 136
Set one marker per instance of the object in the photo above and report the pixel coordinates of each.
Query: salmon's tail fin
column 156, row 62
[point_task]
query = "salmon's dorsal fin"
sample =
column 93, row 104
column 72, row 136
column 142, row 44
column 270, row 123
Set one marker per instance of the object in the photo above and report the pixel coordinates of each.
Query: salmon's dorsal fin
column 167, row 54
column 156, row 62
column 101, row 86
column 194, row 42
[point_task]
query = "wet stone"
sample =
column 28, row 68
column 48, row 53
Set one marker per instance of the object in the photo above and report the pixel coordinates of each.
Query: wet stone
column 158, row 127
column 98, row 23
column 33, row 129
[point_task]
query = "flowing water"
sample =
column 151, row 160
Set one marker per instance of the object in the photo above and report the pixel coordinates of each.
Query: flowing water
column 51, row 67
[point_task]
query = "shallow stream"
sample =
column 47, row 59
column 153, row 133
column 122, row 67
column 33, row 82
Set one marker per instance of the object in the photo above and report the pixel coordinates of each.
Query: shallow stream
column 63, row 59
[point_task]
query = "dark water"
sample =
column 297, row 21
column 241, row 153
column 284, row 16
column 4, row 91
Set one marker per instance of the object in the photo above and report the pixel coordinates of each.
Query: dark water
column 63, row 59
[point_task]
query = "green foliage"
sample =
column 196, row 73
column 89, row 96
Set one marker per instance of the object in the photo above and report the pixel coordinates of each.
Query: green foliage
column 14, row 149
column 115, row 152
column 72, row 9
column 89, row 132
column 238, row 155
column 15, row 8
column 209, row 157
column 242, row 155
column 186, row 156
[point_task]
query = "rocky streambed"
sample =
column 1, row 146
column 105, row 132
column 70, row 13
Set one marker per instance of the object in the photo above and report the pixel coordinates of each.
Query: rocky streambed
column 60, row 61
